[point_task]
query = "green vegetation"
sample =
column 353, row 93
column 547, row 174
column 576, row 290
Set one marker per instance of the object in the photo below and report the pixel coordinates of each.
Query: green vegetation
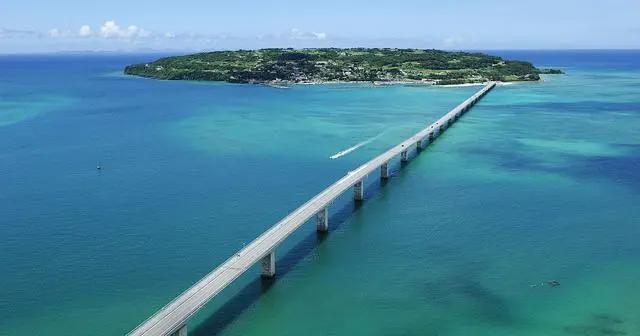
column 332, row 65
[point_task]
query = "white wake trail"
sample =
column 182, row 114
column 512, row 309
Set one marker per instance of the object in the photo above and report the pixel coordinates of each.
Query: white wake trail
column 351, row 149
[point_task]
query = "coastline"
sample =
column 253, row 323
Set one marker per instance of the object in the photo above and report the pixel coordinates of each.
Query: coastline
column 283, row 84
column 288, row 85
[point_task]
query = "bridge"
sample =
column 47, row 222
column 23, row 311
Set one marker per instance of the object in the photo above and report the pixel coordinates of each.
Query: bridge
column 172, row 319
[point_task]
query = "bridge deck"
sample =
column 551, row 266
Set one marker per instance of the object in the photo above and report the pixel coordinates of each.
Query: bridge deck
column 175, row 314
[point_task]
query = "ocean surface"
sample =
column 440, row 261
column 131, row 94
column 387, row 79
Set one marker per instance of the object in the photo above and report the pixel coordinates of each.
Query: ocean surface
column 538, row 182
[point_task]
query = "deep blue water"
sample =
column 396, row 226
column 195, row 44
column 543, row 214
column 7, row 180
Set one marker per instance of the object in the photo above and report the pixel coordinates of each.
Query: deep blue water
column 539, row 181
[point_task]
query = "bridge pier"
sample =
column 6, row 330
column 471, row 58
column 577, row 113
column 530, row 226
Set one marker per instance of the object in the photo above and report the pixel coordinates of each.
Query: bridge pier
column 268, row 265
column 322, row 220
column 404, row 156
column 180, row 332
column 358, row 191
column 384, row 171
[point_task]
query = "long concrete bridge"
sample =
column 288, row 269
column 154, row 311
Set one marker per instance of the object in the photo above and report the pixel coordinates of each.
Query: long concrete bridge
column 172, row 319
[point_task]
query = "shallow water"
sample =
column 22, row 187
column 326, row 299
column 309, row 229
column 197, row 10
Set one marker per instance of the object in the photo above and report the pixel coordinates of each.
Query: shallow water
column 538, row 182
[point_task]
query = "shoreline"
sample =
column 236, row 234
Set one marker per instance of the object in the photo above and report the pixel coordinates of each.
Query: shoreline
column 288, row 85
column 280, row 84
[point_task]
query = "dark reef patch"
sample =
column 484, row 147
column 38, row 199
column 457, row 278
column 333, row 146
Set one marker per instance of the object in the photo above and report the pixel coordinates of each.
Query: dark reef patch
column 598, row 324
column 622, row 169
column 463, row 290
column 584, row 106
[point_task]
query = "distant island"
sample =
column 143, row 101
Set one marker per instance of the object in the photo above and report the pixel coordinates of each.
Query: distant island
column 308, row 66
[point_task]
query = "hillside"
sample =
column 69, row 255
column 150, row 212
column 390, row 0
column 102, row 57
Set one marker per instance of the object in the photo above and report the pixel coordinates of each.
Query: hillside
column 339, row 65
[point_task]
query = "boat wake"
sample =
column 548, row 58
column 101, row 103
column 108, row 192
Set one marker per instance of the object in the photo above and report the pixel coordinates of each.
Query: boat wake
column 351, row 149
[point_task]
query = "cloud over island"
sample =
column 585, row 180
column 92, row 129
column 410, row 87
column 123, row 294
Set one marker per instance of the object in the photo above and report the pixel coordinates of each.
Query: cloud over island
column 108, row 30
column 112, row 35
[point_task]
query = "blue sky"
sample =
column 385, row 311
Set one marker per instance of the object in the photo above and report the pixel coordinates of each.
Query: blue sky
column 126, row 25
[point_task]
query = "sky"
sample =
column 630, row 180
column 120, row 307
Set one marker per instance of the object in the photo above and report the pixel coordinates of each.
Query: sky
column 30, row 26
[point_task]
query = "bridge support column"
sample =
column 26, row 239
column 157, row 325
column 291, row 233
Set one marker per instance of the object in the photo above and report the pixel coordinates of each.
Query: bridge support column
column 422, row 144
column 180, row 332
column 322, row 220
column 269, row 265
column 358, row 191
column 404, row 157
column 384, row 170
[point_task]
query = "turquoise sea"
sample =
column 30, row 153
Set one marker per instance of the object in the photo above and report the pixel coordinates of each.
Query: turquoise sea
column 538, row 182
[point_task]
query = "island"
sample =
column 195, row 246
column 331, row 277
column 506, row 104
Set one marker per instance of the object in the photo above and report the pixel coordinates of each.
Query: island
column 283, row 66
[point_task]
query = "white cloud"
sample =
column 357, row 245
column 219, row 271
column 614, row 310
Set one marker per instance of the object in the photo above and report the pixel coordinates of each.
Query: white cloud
column 169, row 35
column 110, row 29
column 297, row 34
column 320, row 36
column 55, row 32
column 85, row 31
column 58, row 33
column 141, row 32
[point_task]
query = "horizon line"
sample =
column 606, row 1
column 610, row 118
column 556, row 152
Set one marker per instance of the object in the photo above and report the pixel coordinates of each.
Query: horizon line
column 158, row 51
